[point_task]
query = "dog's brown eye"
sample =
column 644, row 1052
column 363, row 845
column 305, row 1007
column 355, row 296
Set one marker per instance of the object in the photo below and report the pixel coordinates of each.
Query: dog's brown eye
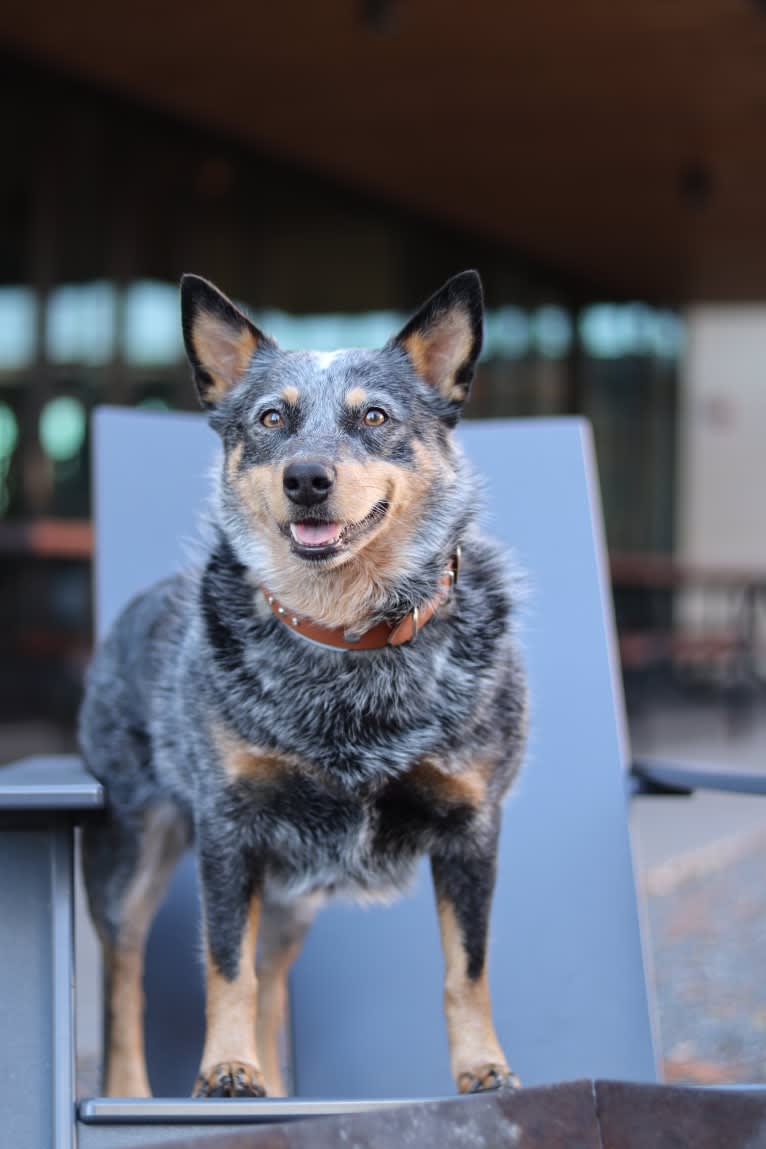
column 374, row 417
column 272, row 419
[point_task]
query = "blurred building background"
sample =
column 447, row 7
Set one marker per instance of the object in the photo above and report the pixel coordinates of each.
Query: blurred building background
column 604, row 167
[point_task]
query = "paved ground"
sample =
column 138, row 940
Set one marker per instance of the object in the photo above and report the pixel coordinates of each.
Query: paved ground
column 708, row 942
column 701, row 864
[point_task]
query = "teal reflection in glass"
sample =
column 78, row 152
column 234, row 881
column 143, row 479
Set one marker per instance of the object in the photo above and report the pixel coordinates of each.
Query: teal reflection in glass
column 608, row 330
column 552, row 331
column 62, row 428
column 80, row 323
column 18, row 327
column 9, row 432
column 154, row 403
column 151, row 334
column 329, row 332
column 506, row 333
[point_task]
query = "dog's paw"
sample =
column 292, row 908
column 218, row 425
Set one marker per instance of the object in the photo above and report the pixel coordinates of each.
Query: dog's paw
column 230, row 1079
column 492, row 1076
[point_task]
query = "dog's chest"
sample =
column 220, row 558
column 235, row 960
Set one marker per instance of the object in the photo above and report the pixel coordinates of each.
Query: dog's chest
column 363, row 843
column 363, row 720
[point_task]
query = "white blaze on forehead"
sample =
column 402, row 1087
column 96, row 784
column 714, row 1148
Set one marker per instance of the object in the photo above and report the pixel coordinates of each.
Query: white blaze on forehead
column 325, row 358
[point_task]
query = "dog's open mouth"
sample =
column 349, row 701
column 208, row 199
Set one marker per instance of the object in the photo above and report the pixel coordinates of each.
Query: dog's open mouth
column 318, row 539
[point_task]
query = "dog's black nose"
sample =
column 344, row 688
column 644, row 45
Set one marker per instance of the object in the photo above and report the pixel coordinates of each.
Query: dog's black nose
column 308, row 483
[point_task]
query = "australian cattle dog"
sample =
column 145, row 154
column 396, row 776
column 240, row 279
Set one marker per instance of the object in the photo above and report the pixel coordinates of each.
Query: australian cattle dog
column 334, row 692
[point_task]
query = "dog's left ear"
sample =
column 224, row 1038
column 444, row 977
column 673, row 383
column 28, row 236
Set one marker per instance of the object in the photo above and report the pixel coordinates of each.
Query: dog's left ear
column 220, row 340
column 443, row 339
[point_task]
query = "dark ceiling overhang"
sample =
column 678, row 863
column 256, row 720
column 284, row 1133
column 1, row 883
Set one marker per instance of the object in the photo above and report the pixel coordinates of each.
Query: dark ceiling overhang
column 624, row 144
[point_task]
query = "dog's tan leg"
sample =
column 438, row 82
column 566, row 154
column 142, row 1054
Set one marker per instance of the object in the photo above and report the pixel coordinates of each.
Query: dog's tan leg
column 229, row 1065
column 476, row 1058
column 125, row 1062
column 463, row 894
column 271, row 1013
column 283, row 929
column 162, row 840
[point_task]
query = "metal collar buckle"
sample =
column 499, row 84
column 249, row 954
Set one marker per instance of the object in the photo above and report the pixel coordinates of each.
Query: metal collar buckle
column 454, row 572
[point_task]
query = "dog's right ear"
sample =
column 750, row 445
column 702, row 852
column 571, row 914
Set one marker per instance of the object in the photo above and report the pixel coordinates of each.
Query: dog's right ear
column 220, row 340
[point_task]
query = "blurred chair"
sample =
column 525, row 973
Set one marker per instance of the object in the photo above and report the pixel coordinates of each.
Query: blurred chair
column 566, row 969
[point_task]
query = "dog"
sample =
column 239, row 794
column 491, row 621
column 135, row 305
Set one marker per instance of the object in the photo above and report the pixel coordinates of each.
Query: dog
column 334, row 692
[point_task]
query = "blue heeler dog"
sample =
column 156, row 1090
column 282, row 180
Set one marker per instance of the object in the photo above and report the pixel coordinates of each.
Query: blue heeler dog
column 332, row 694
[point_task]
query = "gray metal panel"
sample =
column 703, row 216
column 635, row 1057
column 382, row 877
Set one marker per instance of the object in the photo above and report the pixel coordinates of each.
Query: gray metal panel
column 112, row 1124
column 565, row 960
column 151, row 484
column 152, row 479
column 36, row 1032
column 59, row 783
column 185, row 1111
column 62, row 983
column 566, row 970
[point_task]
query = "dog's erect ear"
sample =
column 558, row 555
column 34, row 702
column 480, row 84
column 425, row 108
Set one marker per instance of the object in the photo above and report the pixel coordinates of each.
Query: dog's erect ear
column 443, row 339
column 220, row 340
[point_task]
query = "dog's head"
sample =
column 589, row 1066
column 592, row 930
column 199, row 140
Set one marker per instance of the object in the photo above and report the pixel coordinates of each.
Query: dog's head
column 341, row 459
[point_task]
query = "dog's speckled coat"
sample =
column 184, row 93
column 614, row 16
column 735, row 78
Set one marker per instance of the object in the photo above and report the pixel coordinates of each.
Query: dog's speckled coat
column 297, row 769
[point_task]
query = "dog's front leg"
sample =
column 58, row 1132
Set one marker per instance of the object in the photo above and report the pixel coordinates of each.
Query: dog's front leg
column 231, row 887
column 464, row 879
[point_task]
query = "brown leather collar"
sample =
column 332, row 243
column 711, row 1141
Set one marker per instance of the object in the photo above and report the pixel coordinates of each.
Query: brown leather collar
column 385, row 633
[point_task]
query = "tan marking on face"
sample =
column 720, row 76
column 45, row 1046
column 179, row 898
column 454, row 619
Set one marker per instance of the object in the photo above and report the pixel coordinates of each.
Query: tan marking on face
column 223, row 349
column 161, row 843
column 234, row 461
column 356, row 397
column 290, row 395
column 242, row 760
column 347, row 592
column 261, row 494
column 231, row 1005
column 467, row 787
column 438, row 353
column 359, row 486
column 467, row 1006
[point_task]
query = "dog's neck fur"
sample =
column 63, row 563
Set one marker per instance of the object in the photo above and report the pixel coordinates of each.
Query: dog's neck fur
column 381, row 583
column 357, row 596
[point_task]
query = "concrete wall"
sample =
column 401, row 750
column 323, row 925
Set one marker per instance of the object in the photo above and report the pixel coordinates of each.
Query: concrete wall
column 722, row 456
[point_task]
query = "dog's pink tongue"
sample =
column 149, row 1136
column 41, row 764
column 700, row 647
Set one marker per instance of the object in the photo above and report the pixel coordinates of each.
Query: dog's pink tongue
column 315, row 534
